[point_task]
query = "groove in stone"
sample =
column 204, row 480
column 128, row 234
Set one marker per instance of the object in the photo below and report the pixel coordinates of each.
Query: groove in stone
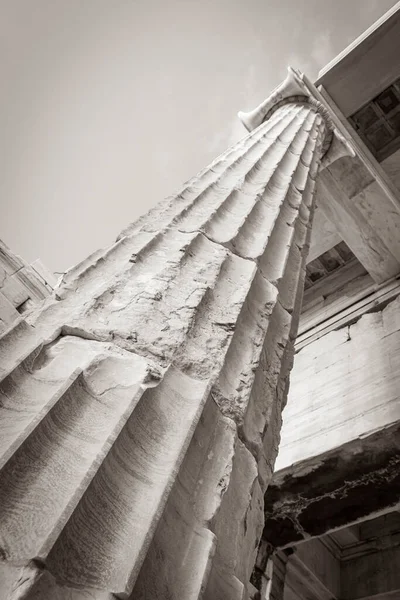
column 175, row 330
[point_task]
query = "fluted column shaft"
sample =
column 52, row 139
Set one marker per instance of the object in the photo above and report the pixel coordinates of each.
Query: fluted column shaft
column 142, row 403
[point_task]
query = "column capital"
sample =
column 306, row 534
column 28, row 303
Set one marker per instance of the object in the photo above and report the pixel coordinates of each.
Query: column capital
column 297, row 88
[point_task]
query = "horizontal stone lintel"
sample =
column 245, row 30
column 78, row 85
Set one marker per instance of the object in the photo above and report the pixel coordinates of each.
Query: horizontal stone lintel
column 343, row 486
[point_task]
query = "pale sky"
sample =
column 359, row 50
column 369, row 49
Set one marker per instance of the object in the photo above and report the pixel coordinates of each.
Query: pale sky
column 107, row 106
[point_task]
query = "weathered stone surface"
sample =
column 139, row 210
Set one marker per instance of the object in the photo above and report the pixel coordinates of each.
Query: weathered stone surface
column 335, row 489
column 347, row 381
column 374, row 574
column 21, row 286
column 142, row 401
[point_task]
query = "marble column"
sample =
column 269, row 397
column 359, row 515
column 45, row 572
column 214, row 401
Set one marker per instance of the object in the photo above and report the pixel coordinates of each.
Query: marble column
column 141, row 404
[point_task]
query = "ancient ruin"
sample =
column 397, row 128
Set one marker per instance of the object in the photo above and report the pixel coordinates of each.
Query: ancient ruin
column 141, row 400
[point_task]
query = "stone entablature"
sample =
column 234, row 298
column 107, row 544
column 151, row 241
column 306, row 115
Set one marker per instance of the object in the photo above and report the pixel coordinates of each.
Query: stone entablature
column 22, row 285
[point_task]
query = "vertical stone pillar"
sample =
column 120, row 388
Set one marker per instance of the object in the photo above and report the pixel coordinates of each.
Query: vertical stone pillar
column 141, row 404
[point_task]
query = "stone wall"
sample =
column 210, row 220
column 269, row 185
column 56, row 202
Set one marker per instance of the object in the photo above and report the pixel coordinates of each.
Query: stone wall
column 344, row 385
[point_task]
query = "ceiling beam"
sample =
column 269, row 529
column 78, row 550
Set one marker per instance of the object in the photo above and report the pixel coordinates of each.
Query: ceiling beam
column 304, row 583
column 362, row 236
column 371, row 575
column 324, row 235
column 366, row 157
column 345, row 485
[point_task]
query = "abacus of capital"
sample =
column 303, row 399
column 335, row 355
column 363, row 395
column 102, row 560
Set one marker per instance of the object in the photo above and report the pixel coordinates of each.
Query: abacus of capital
column 142, row 400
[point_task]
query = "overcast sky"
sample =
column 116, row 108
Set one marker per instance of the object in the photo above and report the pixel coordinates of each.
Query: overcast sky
column 107, row 106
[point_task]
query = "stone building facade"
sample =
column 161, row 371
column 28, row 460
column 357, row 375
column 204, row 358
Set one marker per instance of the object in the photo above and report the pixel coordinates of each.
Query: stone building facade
column 21, row 286
column 142, row 400
column 333, row 504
